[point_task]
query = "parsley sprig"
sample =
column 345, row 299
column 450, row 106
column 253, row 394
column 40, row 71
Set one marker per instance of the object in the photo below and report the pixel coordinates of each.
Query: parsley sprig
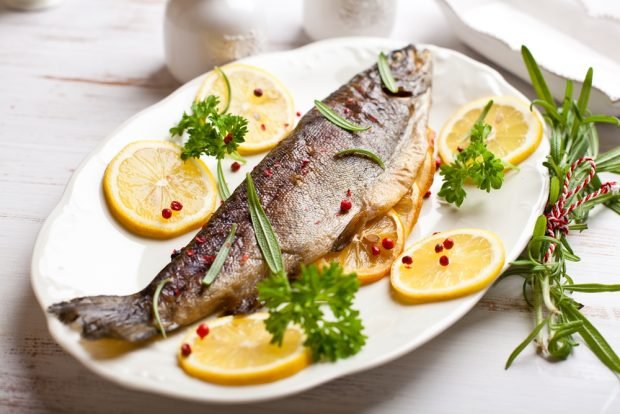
column 303, row 303
column 319, row 301
column 475, row 163
column 211, row 133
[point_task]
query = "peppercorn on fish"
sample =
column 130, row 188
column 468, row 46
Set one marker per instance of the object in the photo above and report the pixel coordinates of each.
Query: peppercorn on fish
column 301, row 185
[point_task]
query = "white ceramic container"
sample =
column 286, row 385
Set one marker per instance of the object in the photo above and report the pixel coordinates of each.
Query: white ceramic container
column 335, row 18
column 201, row 34
column 31, row 4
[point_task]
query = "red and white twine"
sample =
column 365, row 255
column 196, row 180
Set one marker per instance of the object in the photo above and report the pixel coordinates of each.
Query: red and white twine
column 558, row 216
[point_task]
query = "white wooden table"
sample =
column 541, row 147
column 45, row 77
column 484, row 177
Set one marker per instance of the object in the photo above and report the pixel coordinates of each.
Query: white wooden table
column 70, row 75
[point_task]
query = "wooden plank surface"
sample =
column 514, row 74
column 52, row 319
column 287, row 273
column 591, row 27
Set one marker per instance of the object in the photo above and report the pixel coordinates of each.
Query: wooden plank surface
column 72, row 74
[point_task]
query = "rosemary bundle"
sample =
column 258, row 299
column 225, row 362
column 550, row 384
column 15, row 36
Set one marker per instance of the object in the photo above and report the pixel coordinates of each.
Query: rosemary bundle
column 575, row 189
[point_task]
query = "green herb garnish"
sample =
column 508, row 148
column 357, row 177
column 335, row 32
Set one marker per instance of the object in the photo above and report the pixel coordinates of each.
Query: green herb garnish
column 222, row 186
column 301, row 301
column 158, row 289
column 237, row 157
column 336, row 119
column 265, row 236
column 221, row 256
column 228, row 91
column 386, row 73
column 591, row 288
column 573, row 161
column 211, row 133
column 363, row 152
column 475, row 163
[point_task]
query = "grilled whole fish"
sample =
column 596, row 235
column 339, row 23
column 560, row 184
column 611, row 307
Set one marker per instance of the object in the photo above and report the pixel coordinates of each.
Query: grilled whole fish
column 300, row 185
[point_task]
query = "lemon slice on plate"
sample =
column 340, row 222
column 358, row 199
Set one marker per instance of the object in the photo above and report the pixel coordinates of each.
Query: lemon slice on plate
column 153, row 193
column 259, row 97
column 516, row 132
column 372, row 249
column 237, row 351
column 448, row 265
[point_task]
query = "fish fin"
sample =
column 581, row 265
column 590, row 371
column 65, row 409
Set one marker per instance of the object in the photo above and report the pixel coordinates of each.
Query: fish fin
column 349, row 231
column 244, row 305
column 123, row 317
column 394, row 183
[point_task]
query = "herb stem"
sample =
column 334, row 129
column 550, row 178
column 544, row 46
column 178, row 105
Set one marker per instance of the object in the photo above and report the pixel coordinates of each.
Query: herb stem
column 386, row 73
column 158, row 289
column 222, row 186
column 538, row 313
column 364, row 153
column 221, row 256
column 484, row 112
column 265, row 236
column 228, row 89
column 546, row 295
column 336, row 119
column 237, row 157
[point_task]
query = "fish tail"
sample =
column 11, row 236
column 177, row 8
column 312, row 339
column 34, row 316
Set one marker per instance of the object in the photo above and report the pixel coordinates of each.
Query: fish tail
column 123, row 317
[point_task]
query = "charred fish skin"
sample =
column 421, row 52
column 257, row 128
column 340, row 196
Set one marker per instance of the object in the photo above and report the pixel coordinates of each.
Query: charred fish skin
column 300, row 184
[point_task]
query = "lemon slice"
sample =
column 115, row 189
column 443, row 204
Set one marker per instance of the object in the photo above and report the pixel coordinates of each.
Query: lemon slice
column 469, row 260
column 372, row 249
column 237, row 351
column 259, row 97
column 516, row 132
column 146, row 177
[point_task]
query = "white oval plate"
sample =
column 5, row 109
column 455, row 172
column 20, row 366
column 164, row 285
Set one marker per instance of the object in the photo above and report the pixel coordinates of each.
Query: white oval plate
column 81, row 250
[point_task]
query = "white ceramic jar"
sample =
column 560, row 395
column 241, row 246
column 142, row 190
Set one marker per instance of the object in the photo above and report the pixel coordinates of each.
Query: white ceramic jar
column 201, row 34
column 333, row 18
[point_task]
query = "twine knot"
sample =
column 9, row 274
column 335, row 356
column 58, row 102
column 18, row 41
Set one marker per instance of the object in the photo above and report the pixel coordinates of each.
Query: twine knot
column 558, row 216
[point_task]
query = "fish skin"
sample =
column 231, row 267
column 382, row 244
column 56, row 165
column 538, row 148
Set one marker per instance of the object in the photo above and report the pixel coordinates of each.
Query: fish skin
column 300, row 184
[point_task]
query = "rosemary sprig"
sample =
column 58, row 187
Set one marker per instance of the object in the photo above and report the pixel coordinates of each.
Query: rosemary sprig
column 221, row 256
column 547, row 285
column 364, row 153
column 228, row 90
column 336, row 119
column 525, row 342
column 591, row 288
column 265, row 236
column 386, row 73
column 158, row 289
column 222, row 185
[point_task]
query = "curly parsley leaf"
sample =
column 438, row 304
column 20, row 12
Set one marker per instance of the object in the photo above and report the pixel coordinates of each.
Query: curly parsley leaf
column 475, row 163
column 321, row 302
column 210, row 133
